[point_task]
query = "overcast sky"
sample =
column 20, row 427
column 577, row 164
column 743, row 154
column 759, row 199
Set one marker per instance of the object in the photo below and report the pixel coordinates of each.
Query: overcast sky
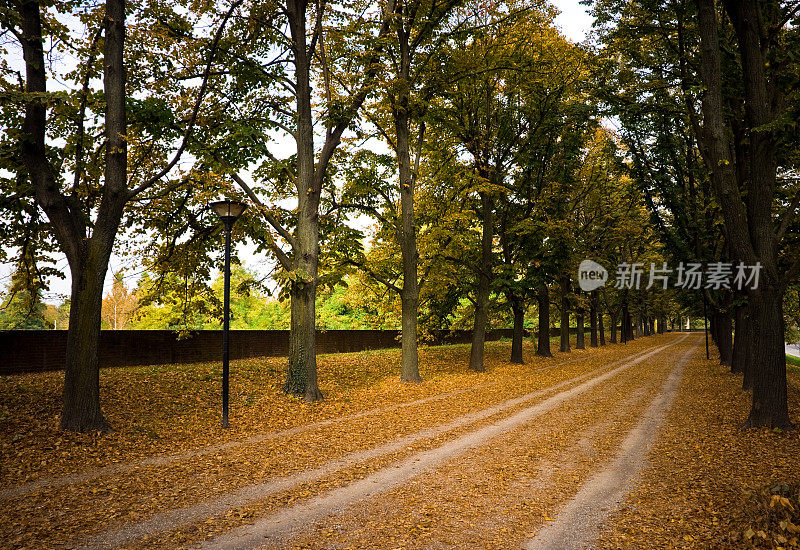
column 574, row 23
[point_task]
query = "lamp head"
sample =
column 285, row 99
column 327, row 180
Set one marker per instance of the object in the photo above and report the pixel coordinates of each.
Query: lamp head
column 228, row 211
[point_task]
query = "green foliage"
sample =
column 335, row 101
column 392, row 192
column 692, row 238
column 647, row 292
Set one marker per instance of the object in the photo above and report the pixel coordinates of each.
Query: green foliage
column 21, row 305
column 22, row 311
column 791, row 313
column 344, row 306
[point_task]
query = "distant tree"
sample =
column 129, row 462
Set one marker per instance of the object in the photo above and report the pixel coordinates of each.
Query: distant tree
column 171, row 303
column 21, row 305
column 119, row 305
column 57, row 317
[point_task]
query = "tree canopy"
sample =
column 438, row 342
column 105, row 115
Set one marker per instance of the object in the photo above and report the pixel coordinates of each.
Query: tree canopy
column 409, row 164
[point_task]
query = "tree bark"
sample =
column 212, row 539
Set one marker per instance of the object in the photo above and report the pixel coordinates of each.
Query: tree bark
column 769, row 406
column 543, row 300
column 614, row 318
column 81, row 410
column 519, row 332
column 87, row 251
column 564, row 287
column 626, row 330
column 301, row 379
column 301, row 376
column 742, row 341
column 747, row 347
column 407, row 237
column 484, row 286
column 712, row 326
column 593, row 300
column 409, row 303
column 579, row 339
column 600, row 325
column 724, row 339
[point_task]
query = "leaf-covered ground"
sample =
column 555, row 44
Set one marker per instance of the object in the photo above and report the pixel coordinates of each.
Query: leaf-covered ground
column 713, row 484
column 170, row 477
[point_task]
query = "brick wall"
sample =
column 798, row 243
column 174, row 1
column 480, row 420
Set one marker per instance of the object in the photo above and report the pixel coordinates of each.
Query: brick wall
column 44, row 350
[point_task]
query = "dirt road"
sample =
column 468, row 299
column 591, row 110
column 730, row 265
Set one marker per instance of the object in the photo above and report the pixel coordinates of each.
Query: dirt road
column 535, row 458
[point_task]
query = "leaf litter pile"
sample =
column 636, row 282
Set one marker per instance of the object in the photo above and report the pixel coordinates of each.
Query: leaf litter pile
column 169, row 476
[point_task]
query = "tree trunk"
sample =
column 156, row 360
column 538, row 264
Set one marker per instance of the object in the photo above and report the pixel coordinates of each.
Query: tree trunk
column 769, row 406
column 81, row 396
column 623, row 327
column 87, row 250
column 724, row 338
column 301, row 379
column 593, row 319
column 565, row 314
column 614, row 318
column 519, row 333
column 601, row 331
column 743, row 340
column 409, row 303
column 626, row 329
column 749, row 224
column 484, row 287
column 407, row 234
column 747, row 351
column 543, row 300
column 714, row 327
column 301, row 376
column 579, row 342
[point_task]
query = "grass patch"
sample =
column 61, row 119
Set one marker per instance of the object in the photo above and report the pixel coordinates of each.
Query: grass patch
column 793, row 363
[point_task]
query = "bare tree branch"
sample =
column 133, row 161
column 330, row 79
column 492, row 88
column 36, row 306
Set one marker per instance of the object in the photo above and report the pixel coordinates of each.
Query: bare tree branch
column 282, row 256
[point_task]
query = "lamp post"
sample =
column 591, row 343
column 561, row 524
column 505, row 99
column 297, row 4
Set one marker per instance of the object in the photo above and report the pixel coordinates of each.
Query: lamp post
column 229, row 212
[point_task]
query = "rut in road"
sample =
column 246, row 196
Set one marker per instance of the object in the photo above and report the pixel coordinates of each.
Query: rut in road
column 277, row 527
column 173, row 519
column 116, row 469
column 165, row 460
column 580, row 520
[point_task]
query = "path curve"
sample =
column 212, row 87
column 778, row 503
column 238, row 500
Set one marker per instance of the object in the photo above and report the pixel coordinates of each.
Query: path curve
column 578, row 523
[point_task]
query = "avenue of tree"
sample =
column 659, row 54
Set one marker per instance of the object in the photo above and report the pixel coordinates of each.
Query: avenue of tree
column 488, row 155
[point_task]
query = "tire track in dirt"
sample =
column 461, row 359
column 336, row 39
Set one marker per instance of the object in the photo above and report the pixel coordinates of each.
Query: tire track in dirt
column 294, row 518
column 172, row 519
column 165, row 460
column 493, row 497
column 116, row 469
column 579, row 521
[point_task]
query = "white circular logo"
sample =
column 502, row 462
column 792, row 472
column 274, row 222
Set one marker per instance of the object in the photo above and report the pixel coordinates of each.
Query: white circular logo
column 591, row 275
